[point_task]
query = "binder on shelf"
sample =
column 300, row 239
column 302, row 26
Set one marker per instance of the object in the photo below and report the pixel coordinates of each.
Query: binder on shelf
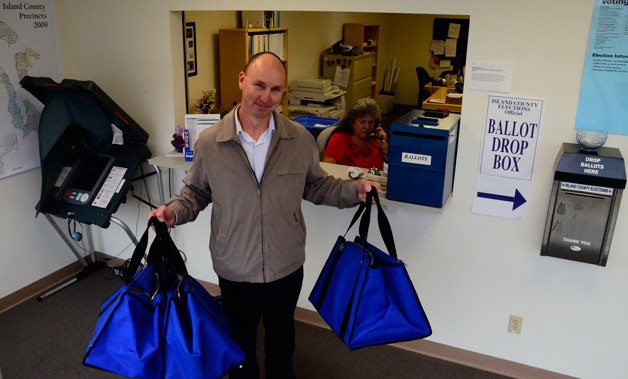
column 273, row 42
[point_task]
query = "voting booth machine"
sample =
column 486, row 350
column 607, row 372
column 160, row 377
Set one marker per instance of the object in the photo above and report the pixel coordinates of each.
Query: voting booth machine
column 90, row 150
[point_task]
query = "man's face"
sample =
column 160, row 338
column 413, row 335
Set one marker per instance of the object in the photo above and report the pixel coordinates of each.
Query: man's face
column 262, row 86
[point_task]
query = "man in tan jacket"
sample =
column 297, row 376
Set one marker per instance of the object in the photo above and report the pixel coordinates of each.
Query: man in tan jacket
column 255, row 167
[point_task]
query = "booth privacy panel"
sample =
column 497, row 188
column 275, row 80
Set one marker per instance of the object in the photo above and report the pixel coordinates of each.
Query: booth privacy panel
column 45, row 88
column 78, row 121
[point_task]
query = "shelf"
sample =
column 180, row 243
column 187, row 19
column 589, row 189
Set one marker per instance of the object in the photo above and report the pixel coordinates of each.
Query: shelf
column 365, row 38
column 236, row 46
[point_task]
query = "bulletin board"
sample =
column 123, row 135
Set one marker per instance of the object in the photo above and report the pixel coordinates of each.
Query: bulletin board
column 441, row 31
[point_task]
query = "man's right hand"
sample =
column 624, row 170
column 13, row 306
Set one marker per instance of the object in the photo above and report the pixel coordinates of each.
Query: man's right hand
column 164, row 214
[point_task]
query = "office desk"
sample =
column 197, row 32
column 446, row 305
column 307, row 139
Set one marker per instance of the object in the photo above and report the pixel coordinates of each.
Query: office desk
column 335, row 170
column 438, row 101
column 164, row 161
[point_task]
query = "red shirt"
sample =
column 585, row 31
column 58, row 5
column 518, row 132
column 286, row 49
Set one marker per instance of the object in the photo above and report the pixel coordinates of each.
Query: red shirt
column 343, row 149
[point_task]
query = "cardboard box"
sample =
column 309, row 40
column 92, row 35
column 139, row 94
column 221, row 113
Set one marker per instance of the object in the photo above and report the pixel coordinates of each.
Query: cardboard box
column 385, row 103
column 454, row 98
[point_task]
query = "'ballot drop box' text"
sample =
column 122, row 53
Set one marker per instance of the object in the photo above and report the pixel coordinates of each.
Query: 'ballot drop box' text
column 422, row 158
column 584, row 204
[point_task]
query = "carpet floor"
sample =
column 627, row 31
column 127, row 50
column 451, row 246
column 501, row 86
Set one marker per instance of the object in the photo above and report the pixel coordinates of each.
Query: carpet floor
column 47, row 339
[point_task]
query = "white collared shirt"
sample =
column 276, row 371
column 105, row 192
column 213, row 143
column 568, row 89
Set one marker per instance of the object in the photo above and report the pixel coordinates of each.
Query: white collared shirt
column 256, row 151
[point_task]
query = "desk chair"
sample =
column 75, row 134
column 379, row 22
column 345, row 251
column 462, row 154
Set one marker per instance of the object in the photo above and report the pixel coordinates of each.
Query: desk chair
column 322, row 139
column 424, row 78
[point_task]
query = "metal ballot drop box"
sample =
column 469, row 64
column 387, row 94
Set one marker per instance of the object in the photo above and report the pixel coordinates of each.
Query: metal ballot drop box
column 584, row 204
column 422, row 158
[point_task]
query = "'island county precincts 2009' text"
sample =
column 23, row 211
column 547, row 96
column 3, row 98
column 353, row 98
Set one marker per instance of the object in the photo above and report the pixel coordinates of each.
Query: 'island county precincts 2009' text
column 27, row 7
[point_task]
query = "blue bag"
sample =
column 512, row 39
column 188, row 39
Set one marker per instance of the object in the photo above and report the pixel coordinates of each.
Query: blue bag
column 162, row 323
column 129, row 330
column 197, row 343
column 366, row 295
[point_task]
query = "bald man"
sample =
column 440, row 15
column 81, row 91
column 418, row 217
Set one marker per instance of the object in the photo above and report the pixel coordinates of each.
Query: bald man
column 256, row 166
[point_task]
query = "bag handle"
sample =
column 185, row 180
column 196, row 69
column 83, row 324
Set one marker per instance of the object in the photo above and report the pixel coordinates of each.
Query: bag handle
column 162, row 251
column 382, row 221
column 356, row 216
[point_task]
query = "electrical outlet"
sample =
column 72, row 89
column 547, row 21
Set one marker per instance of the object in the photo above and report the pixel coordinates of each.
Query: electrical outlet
column 515, row 323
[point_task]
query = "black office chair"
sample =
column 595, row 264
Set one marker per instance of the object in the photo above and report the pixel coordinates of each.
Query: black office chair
column 424, row 78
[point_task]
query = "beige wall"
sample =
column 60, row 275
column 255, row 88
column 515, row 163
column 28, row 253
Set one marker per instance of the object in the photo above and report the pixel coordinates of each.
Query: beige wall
column 471, row 271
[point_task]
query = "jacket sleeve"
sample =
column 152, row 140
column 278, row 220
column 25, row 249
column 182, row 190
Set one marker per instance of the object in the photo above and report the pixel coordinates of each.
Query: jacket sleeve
column 195, row 195
column 322, row 188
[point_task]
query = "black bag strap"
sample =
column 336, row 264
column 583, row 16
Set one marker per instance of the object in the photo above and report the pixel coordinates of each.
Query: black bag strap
column 162, row 252
column 382, row 221
column 356, row 216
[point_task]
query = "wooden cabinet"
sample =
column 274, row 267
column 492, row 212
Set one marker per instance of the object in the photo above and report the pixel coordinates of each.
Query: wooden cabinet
column 365, row 38
column 236, row 46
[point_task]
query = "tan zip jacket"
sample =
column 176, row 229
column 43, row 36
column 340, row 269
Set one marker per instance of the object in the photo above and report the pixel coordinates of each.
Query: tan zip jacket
column 257, row 229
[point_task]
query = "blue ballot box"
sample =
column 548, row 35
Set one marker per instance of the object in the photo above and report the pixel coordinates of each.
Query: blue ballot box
column 422, row 158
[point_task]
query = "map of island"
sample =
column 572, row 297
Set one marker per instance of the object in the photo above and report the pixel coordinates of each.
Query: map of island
column 21, row 50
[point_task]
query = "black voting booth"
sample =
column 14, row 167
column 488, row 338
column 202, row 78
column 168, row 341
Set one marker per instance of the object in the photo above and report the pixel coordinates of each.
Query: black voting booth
column 90, row 150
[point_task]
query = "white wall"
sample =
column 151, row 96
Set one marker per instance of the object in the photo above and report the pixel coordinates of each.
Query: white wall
column 471, row 271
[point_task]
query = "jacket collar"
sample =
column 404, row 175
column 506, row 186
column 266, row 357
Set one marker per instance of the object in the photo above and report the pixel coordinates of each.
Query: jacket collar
column 227, row 130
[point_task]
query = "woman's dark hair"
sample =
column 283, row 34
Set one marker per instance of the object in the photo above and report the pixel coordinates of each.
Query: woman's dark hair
column 360, row 108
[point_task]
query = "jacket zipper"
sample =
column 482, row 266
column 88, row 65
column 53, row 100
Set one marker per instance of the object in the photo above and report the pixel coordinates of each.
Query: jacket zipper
column 259, row 201
column 259, row 198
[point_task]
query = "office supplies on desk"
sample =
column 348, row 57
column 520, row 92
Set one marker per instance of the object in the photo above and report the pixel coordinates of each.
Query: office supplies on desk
column 437, row 114
column 419, row 120
column 437, row 101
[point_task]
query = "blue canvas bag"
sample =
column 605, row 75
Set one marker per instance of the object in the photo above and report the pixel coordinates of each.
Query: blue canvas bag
column 162, row 323
column 197, row 342
column 364, row 294
column 128, row 332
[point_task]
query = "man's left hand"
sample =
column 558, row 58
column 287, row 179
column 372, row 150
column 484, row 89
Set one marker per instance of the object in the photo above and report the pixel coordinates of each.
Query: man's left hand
column 364, row 186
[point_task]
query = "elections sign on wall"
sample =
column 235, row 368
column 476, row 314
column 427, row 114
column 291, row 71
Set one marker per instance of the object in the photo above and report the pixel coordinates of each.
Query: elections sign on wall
column 509, row 145
column 510, row 137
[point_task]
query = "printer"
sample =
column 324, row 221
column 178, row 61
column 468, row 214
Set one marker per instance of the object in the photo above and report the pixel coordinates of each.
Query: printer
column 317, row 97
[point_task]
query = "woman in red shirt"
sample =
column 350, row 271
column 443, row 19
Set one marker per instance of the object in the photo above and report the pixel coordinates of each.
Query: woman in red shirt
column 359, row 140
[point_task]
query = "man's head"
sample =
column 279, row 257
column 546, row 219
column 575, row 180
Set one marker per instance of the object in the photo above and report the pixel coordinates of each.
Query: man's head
column 262, row 83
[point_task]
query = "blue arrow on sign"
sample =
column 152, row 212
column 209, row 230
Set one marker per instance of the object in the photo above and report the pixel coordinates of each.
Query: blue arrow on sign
column 516, row 200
